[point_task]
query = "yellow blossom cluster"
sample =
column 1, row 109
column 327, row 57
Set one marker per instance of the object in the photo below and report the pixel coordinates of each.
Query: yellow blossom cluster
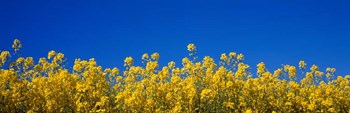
column 196, row 86
column 16, row 45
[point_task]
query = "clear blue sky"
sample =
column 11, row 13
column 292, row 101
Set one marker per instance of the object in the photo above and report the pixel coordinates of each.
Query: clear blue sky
column 274, row 31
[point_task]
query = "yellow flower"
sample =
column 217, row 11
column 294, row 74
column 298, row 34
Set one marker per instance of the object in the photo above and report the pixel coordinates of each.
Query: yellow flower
column 191, row 47
column 29, row 61
column 205, row 93
column 311, row 106
column 150, row 102
column 224, row 57
column 16, row 45
column 229, row 84
column 115, row 71
column 332, row 110
column 328, row 75
column 59, row 57
column 3, row 57
column 51, row 54
column 333, row 70
column 145, row 56
column 155, row 56
column 288, row 104
column 232, row 54
column 164, row 73
column 229, row 104
column 302, row 65
column 330, row 70
column 119, row 78
column 150, row 66
column 314, row 68
column 261, row 68
column 292, row 72
column 240, row 57
column 318, row 73
column 171, row 65
column 177, row 109
column 328, row 102
column 248, row 111
column 286, row 67
column 277, row 72
column 128, row 61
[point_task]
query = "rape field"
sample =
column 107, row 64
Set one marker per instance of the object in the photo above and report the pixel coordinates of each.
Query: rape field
column 193, row 85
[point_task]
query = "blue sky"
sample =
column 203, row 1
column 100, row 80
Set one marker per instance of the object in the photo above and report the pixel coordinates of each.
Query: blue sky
column 274, row 31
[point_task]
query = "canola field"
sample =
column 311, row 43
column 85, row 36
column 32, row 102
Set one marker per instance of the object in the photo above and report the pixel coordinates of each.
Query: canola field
column 191, row 86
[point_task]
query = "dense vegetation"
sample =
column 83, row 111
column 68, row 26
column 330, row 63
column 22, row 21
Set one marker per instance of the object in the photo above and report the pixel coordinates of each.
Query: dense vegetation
column 195, row 86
